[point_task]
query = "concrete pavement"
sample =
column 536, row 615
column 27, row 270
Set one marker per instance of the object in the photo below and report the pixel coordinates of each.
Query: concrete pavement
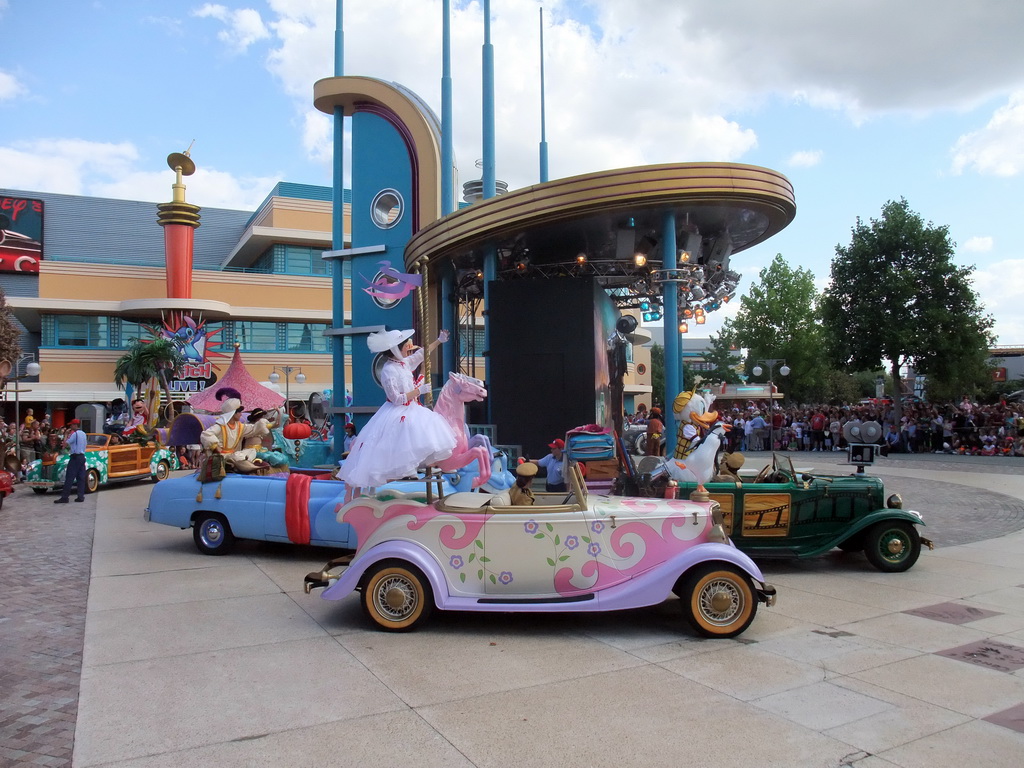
column 191, row 660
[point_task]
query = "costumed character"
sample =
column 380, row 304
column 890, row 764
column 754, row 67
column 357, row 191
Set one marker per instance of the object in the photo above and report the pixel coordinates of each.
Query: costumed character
column 253, row 445
column 729, row 468
column 702, row 461
column 139, row 419
column 521, row 494
column 695, row 417
column 226, row 438
column 402, row 435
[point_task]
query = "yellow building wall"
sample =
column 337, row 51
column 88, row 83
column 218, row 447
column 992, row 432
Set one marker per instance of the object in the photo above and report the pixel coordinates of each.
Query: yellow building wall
column 62, row 280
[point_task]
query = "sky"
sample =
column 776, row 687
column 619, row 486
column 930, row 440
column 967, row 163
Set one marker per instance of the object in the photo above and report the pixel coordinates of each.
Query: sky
column 857, row 102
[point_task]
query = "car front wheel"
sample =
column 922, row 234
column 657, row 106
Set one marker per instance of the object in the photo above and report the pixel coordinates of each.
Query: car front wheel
column 397, row 597
column 892, row 546
column 718, row 600
column 212, row 534
column 92, row 481
column 163, row 470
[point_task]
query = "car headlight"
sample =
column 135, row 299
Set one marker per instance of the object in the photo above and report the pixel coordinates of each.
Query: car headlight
column 894, row 502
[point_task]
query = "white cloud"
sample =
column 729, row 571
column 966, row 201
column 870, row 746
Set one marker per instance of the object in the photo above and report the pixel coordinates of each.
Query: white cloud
column 62, row 165
column 998, row 148
column 74, row 167
column 978, row 244
column 244, row 26
column 1000, row 286
column 806, row 158
column 10, row 86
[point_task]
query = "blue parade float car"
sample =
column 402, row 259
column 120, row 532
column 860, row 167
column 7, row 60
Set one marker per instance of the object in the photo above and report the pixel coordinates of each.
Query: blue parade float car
column 297, row 507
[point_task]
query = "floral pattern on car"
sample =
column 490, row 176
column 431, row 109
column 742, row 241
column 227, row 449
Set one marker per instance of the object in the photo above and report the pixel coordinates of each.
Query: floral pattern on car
column 605, row 547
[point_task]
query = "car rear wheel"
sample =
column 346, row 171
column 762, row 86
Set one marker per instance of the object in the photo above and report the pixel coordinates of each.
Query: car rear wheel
column 397, row 597
column 163, row 471
column 92, row 481
column 212, row 534
column 892, row 546
column 718, row 600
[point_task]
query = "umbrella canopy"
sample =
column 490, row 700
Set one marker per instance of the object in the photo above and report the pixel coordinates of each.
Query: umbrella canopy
column 254, row 394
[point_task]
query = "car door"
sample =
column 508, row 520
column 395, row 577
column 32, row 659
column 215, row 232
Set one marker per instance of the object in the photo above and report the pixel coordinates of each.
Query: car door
column 537, row 552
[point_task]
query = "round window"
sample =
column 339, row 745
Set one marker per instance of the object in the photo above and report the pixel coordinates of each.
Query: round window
column 387, row 208
column 641, row 369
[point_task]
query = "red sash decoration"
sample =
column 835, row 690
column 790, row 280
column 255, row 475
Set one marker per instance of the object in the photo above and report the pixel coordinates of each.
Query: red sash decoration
column 296, row 507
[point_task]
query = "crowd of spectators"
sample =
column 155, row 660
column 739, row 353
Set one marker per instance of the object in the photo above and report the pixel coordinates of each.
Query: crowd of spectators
column 33, row 437
column 964, row 428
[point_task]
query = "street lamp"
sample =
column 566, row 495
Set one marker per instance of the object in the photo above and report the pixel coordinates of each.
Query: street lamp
column 300, row 378
column 757, row 370
column 31, row 369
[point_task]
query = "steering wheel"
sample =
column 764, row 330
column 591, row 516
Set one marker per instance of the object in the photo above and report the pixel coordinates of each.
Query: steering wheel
column 769, row 469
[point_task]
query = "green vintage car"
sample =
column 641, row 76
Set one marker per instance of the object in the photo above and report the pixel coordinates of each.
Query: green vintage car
column 779, row 511
column 104, row 463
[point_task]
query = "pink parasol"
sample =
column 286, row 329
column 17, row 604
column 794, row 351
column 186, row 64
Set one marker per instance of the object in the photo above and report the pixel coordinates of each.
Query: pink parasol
column 254, row 394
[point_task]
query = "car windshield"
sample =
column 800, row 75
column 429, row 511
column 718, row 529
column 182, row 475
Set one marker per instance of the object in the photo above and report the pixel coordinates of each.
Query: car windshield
column 97, row 441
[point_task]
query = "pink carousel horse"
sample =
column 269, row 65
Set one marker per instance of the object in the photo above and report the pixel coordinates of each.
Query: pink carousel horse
column 451, row 406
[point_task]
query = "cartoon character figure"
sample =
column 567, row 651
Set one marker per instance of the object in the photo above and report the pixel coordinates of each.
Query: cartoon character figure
column 695, row 417
column 698, row 439
column 190, row 340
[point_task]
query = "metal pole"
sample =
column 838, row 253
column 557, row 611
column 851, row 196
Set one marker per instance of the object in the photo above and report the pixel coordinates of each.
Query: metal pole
column 17, row 426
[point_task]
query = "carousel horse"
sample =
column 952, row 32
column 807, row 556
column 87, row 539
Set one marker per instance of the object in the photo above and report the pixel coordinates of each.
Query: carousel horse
column 701, row 463
column 451, row 406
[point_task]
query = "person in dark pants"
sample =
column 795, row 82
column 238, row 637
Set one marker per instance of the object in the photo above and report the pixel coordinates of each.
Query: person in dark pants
column 74, row 474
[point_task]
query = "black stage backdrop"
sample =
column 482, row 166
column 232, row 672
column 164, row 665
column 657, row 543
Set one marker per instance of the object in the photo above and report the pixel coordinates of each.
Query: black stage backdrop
column 548, row 362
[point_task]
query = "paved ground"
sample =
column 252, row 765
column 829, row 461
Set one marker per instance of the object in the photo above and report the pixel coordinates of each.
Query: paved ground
column 199, row 661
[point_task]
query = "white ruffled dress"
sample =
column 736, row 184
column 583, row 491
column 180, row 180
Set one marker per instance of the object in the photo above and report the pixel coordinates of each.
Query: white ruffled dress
column 401, row 436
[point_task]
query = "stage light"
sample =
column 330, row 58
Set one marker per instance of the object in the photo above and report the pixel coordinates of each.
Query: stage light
column 639, row 259
column 683, row 327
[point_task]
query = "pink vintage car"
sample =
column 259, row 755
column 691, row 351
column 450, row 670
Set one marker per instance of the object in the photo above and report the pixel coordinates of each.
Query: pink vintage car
column 575, row 552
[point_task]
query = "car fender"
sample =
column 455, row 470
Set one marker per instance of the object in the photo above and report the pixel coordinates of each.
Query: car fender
column 655, row 585
column 408, row 551
column 878, row 516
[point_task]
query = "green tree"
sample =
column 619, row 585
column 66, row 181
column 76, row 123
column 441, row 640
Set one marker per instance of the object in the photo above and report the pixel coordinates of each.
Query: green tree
column 723, row 354
column 778, row 319
column 657, row 374
column 897, row 299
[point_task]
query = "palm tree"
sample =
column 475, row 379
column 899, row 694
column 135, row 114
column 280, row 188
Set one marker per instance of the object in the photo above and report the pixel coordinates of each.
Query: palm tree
column 145, row 365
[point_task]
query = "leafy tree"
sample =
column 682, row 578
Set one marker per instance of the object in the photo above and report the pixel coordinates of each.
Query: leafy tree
column 722, row 354
column 778, row 320
column 657, row 374
column 10, row 348
column 897, row 298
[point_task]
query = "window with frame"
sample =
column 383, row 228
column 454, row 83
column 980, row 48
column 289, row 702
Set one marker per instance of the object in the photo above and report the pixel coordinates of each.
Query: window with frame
column 81, row 331
column 255, row 335
column 306, row 337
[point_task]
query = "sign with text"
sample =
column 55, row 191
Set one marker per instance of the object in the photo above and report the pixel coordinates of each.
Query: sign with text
column 21, row 234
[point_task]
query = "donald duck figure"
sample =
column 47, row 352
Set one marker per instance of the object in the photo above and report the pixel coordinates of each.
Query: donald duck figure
column 698, row 438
